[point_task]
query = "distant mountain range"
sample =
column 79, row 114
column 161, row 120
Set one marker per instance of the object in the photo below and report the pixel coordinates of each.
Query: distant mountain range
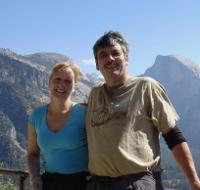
column 24, row 86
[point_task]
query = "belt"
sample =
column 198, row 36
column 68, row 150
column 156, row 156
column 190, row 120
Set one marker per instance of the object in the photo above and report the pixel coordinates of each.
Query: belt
column 156, row 175
column 65, row 176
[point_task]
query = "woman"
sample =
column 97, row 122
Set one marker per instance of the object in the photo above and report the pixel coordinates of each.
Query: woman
column 56, row 131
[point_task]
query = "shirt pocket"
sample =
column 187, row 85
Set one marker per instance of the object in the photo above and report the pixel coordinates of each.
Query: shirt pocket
column 100, row 115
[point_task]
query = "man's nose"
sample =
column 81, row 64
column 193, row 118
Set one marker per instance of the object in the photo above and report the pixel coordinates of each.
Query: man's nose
column 111, row 57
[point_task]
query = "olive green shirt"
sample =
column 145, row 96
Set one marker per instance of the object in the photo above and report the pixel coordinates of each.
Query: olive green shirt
column 124, row 125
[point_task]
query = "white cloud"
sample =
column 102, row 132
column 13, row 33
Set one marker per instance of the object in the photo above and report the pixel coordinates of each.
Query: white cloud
column 88, row 61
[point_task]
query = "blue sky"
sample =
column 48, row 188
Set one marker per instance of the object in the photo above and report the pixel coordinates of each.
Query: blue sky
column 71, row 27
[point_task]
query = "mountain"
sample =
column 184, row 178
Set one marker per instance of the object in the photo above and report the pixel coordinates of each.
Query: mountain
column 47, row 59
column 181, row 78
column 92, row 78
column 12, row 155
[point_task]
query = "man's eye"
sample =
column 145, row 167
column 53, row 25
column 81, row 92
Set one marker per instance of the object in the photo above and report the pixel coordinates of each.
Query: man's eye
column 116, row 54
column 101, row 56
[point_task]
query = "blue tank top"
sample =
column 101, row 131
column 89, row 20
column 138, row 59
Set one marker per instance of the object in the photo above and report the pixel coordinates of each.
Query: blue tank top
column 64, row 151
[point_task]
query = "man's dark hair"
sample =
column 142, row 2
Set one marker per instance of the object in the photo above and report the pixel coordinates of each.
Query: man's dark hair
column 109, row 39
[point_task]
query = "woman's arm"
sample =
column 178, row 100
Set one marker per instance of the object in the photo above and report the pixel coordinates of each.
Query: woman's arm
column 33, row 159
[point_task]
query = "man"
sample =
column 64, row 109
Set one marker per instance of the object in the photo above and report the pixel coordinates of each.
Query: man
column 126, row 116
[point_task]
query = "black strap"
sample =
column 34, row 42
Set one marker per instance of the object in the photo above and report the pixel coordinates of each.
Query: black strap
column 174, row 137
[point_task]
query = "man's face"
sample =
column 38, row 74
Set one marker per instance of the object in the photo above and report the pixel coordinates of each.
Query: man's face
column 111, row 61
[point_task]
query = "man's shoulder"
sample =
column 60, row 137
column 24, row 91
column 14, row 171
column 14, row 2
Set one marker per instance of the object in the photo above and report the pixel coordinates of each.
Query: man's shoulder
column 98, row 87
column 145, row 80
column 151, row 84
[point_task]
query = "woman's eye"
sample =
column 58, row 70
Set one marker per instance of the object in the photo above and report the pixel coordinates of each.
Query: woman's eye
column 57, row 79
column 68, row 81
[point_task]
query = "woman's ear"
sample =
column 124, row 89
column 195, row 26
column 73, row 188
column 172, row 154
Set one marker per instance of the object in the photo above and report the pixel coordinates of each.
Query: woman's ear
column 49, row 82
column 75, row 87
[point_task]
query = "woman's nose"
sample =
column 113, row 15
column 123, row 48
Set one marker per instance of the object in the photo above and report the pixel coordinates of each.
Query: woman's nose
column 62, row 83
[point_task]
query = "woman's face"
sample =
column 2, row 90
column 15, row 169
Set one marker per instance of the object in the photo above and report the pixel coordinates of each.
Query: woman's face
column 62, row 83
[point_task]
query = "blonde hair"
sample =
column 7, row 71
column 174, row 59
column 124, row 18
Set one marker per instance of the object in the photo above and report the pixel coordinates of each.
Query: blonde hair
column 66, row 65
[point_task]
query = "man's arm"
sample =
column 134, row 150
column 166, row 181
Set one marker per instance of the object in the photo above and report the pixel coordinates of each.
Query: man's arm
column 181, row 152
column 183, row 156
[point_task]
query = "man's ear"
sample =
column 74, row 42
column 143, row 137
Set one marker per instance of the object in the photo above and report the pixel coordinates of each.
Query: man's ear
column 97, row 65
column 126, row 58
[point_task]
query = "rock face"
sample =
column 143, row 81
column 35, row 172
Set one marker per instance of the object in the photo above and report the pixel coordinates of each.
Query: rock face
column 12, row 155
column 181, row 78
column 47, row 59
